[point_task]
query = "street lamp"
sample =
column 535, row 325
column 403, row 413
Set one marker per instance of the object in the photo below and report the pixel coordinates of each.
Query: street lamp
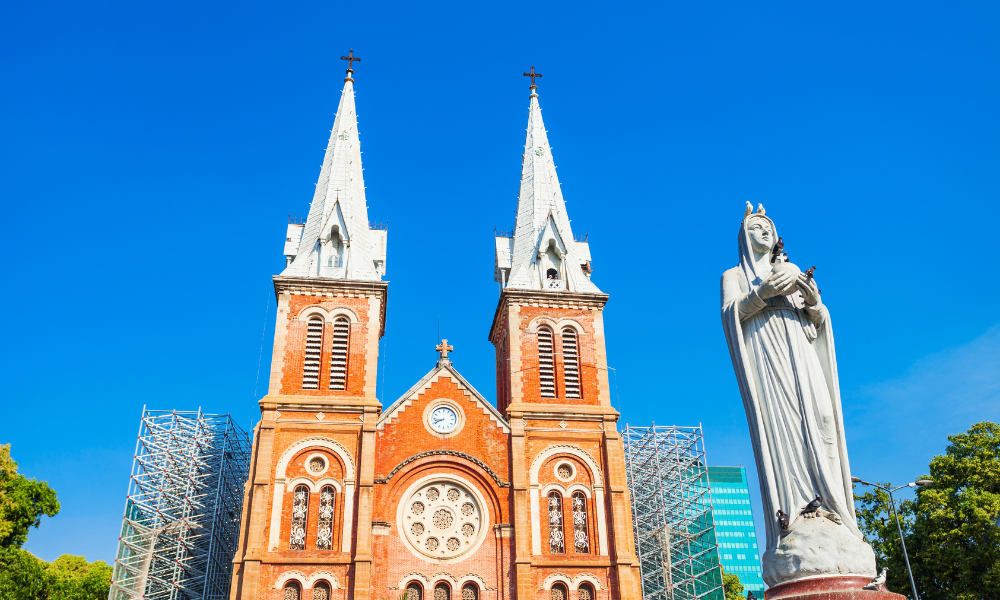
column 892, row 508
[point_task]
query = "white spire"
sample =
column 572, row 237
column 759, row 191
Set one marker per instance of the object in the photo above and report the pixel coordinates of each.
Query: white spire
column 543, row 253
column 336, row 241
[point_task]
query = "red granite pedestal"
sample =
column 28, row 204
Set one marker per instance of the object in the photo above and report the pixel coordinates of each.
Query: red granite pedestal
column 828, row 588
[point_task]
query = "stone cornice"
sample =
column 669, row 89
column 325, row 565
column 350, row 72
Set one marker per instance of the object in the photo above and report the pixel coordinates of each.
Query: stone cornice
column 330, row 404
column 322, row 286
column 519, row 297
column 552, row 412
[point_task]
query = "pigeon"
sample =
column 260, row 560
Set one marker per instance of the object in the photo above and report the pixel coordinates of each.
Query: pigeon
column 782, row 519
column 750, row 596
column 810, row 272
column 810, row 509
column 878, row 583
column 779, row 247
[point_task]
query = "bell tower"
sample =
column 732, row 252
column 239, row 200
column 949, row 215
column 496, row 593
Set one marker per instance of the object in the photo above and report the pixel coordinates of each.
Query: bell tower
column 552, row 385
column 312, row 469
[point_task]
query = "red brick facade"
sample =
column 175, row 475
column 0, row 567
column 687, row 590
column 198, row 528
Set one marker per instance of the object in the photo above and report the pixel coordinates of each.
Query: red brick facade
column 479, row 509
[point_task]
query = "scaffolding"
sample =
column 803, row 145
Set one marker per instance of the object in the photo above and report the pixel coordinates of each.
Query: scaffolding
column 672, row 513
column 182, row 515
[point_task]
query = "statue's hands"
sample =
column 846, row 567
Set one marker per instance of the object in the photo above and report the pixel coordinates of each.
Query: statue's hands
column 777, row 284
column 809, row 289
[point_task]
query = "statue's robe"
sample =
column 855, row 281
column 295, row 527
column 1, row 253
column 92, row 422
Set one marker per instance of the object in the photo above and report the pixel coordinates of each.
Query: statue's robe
column 785, row 362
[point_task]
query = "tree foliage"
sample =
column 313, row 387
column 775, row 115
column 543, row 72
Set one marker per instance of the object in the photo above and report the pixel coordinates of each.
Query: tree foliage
column 23, row 576
column 733, row 587
column 951, row 529
column 23, row 501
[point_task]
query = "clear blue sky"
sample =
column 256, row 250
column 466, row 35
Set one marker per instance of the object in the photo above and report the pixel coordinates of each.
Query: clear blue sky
column 151, row 153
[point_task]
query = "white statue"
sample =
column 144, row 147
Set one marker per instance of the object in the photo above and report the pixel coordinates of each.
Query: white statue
column 781, row 343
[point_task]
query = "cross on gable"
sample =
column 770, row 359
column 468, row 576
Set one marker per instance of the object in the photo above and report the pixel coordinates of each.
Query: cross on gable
column 444, row 349
column 350, row 58
column 532, row 74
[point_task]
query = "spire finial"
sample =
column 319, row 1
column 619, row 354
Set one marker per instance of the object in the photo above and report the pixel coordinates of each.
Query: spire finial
column 532, row 74
column 350, row 58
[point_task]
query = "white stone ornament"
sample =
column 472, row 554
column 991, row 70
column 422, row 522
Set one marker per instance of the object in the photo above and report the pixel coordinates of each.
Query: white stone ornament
column 781, row 343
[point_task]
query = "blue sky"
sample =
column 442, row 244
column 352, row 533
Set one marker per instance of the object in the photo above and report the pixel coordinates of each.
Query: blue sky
column 152, row 152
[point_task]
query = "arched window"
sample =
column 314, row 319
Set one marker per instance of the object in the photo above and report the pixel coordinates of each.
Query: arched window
column 581, row 536
column 551, row 274
column 338, row 353
column 558, row 592
column 300, row 515
column 585, row 592
column 442, row 592
column 321, row 591
column 414, row 591
column 571, row 363
column 314, row 353
column 546, row 366
column 324, row 529
column 470, row 592
column 292, row 591
column 557, row 541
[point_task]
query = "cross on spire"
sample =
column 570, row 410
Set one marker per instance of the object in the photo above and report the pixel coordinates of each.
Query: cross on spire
column 532, row 74
column 444, row 348
column 350, row 58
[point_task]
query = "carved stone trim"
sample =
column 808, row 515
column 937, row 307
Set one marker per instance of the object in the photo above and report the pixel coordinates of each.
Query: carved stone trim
column 455, row 453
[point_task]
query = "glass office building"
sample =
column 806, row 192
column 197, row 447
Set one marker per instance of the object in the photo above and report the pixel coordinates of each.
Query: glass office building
column 734, row 530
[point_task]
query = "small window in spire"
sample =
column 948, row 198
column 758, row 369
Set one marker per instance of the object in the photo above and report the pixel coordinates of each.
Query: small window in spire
column 552, row 274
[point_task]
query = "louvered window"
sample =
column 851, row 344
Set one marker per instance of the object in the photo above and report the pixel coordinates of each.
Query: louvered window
column 338, row 353
column 546, row 366
column 324, row 528
column 557, row 541
column 314, row 354
column 581, row 536
column 571, row 363
column 300, row 515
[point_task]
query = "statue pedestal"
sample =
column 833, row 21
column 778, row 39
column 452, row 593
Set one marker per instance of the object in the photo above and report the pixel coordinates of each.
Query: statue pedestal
column 828, row 588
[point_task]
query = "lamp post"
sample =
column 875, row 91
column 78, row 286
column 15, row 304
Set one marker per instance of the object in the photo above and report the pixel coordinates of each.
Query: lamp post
column 892, row 508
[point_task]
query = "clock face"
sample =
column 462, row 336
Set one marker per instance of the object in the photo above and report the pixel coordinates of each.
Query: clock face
column 443, row 419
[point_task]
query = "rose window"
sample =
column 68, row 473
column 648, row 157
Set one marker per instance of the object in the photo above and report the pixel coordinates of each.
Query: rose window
column 316, row 465
column 442, row 519
column 564, row 471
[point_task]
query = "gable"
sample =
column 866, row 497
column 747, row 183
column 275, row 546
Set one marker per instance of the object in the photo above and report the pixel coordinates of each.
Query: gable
column 474, row 404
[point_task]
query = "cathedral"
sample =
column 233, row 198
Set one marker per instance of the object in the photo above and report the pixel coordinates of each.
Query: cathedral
column 439, row 495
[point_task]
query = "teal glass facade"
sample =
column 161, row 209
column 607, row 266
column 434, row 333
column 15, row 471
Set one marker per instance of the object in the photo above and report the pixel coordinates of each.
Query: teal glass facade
column 734, row 530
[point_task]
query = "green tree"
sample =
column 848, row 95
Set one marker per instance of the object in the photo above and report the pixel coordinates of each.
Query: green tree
column 951, row 529
column 734, row 589
column 23, row 501
column 22, row 576
column 73, row 578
